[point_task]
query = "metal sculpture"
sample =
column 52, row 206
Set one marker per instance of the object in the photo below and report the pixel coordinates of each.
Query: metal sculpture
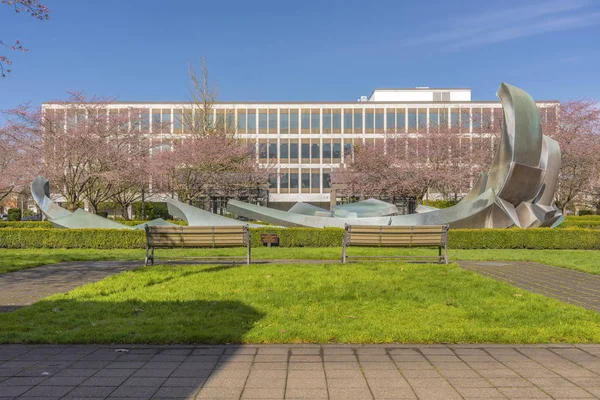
column 517, row 191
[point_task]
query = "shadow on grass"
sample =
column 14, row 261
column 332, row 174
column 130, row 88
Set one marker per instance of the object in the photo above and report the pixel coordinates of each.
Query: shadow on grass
column 131, row 321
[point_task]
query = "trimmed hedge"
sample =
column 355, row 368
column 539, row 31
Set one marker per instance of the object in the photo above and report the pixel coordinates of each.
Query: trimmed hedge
column 586, row 224
column 25, row 224
column 539, row 239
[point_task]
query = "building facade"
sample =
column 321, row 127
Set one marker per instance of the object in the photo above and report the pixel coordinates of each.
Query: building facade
column 303, row 142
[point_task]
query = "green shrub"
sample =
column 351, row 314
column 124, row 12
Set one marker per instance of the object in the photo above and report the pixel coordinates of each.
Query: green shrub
column 136, row 222
column 584, row 223
column 538, row 239
column 25, row 224
column 585, row 212
column 440, row 203
column 582, row 218
column 153, row 210
column 14, row 214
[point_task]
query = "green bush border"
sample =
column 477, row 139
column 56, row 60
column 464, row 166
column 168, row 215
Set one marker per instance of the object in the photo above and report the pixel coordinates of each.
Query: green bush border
column 538, row 239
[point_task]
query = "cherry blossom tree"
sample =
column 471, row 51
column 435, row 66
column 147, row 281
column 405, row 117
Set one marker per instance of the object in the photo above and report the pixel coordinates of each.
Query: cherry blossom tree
column 577, row 130
column 29, row 7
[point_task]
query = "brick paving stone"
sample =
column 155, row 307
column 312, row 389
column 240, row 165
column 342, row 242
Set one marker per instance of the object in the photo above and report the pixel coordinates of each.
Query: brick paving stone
column 513, row 371
column 564, row 284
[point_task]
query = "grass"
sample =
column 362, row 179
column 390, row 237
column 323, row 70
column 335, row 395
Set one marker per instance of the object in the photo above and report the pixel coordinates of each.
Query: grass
column 295, row 303
column 581, row 260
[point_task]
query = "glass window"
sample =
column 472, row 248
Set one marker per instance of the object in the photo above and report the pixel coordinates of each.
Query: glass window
column 305, row 121
column 315, row 180
column 337, row 150
column 358, row 121
column 242, row 121
column 284, row 181
column 315, row 121
column 347, row 149
column 294, row 180
column 369, row 120
column 251, row 121
column 422, row 123
column 305, row 150
column 293, row 121
column 251, row 148
column 145, row 120
column 326, row 151
column 166, row 120
column 337, row 121
column 465, row 119
column 272, row 121
column 347, row 121
column 486, row 119
column 476, row 118
column 433, row 118
column 412, row 119
column 401, row 119
column 454, row 117
column 293, row 150
column 326, row 121
column 273, row 181
column 305, row 180
column 155, row 118
column 272, row 151
column 315, row 152
column 391, row 119
column 283, row 150
column 262, row 122
column 326, row 183
column 379, row 120
column 262, row 150
column 283, row 121
column 177, row 120
column 230, row 120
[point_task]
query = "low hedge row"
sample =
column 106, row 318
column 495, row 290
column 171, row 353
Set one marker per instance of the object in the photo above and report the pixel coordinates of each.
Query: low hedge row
column 543, row 238
column 586, row 224
column 48, row 225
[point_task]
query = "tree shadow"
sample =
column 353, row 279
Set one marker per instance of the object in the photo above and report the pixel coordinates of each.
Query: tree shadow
column 133, row 334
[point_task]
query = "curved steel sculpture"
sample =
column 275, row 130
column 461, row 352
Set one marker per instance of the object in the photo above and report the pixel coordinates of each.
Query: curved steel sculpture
column 518, row 190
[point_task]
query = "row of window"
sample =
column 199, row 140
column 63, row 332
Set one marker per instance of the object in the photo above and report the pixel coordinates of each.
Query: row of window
column 292, row 152
column 300, row 181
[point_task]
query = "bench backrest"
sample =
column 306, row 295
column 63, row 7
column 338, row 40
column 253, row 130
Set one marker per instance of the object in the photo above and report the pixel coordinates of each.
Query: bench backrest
column 422, row 235
column 197, row 236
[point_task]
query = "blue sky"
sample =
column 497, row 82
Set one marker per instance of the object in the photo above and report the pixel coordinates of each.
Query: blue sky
column 303, row 50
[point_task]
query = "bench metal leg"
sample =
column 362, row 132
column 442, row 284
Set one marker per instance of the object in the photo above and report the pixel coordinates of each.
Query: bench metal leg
column 248, row 254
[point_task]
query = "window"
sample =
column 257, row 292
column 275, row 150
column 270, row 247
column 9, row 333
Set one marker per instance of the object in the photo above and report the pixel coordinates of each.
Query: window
column 272, row 121
column 326, row 152
column 422, row 123
column 315, row 180
column 337, row 151
column 251, row 121
column 294, row 180
column 315, row 123
column 284, row 121
column 465, row 119
column 230, row 120
column 241, row 121
column 305, row 122
column 314, row 150
column 284, row 181
column 293, row 121
column 145, row 120
column 347, row 121
column 272, row 152
column 166, row 120
column 486, row 119
column 337, row 121
column 305, row 180
column 347, row 149
column 294, row 151
column 273, row 181
column 379, row 121
column 412, row 119
column 358, row 121
column 326, row 183
column 326, row 121
column 369, row 121
column 477, row 119
column 262, row 150
column 262, row 121
column 177, row 120
column 401, row 119
column 283, row 150
column 391, row 119
column 454, row 117
column 433, row 118
column 305, row 150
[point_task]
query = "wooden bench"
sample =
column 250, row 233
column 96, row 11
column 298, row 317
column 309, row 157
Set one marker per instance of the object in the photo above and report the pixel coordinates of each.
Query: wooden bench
column 196, row 236
column 397, row 236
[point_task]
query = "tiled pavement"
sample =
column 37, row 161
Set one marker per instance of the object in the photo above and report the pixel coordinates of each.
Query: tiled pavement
column 564, row 284
column 300, row 372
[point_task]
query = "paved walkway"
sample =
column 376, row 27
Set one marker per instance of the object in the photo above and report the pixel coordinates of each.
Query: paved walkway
column 564, row 284
column 300, row 372
column 25, row 287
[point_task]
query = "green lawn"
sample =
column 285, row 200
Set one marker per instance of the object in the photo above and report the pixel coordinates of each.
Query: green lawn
column 319, row 303
column 582, row 260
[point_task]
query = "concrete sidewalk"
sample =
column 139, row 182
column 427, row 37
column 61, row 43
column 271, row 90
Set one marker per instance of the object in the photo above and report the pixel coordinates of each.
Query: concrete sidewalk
column 300, row 372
